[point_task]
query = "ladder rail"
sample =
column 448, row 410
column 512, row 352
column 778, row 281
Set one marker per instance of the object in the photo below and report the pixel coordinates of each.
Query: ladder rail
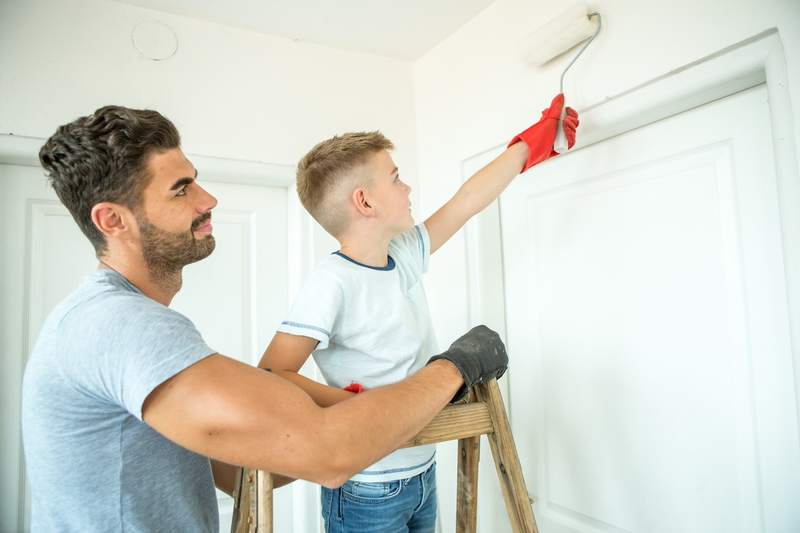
column 485, row 414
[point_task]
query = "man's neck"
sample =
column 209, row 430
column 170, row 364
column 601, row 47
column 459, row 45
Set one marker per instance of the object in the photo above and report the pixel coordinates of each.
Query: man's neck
column 161, row 288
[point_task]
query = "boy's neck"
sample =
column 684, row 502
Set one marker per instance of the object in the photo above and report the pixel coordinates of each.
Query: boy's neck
column 367, row 247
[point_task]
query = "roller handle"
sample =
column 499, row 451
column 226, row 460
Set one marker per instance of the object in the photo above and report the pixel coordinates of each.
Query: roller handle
column 560, row 144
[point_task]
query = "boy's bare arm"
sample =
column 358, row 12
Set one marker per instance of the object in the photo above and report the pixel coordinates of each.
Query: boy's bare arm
column 475, row 194
column 286, row 354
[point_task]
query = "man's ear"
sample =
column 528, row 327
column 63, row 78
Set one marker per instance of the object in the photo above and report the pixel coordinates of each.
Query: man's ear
column 113, row 220
column 361, row 202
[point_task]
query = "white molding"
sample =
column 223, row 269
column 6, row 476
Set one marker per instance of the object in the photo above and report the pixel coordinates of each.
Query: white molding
column 24, row 150
column 787, row 175
column 758, row 59
column 19, row 150
column 243, row 171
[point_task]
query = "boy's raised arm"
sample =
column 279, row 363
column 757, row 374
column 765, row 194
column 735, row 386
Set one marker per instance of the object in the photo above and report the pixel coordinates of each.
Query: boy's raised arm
column 475, row 194
column 529, row 148
column 286, row 354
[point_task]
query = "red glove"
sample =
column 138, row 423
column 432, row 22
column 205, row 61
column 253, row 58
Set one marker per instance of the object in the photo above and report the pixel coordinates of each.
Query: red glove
column 541, row 136
column 355, row 387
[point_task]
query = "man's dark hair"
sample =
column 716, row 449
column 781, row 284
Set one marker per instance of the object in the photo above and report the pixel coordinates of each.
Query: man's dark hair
column 103, row 157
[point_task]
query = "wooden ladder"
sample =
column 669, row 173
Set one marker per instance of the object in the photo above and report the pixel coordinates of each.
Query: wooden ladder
column 483, row 414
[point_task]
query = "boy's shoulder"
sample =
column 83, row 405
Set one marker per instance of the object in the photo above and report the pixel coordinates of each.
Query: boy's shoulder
column 411, row 249
column 330, row 271
column 339, row 273
column 412, row 240
column 408, row 254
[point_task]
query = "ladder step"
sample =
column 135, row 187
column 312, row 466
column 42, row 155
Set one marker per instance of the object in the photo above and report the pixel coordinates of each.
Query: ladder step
column 455, row 422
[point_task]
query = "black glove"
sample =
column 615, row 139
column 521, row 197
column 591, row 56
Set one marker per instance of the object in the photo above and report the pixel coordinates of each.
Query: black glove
column 479, row 355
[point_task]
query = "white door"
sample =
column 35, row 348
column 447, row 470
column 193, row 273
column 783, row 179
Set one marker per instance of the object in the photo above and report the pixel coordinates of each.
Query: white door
column 236, row 297
column 651, row 372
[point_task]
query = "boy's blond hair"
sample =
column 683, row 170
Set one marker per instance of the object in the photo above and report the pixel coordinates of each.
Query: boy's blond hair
column 329, row 172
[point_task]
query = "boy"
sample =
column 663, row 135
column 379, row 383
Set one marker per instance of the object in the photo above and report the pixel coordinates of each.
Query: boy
column 363, row 312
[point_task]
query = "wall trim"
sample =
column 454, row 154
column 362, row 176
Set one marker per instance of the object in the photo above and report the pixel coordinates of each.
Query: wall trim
column 24, row 150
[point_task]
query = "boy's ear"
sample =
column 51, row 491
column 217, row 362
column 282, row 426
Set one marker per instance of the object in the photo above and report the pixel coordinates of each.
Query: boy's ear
column 361, row 202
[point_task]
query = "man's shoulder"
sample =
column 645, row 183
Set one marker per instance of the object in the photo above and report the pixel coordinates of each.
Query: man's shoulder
column 103, row 330
column 108, row 299
column 103, row 310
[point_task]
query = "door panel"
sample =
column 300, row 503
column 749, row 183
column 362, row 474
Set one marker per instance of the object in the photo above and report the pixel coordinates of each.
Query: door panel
column 651, row 373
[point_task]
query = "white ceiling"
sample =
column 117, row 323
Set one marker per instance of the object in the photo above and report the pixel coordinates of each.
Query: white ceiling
column 403, row 29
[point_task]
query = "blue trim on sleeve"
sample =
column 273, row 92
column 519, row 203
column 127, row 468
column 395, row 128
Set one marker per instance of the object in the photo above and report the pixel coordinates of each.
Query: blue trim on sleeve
column 389, row 266
column 421, row 242
column 305, row 326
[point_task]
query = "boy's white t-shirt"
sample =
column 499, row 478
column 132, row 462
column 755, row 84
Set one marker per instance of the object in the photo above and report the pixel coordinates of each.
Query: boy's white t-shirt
column 373, row 328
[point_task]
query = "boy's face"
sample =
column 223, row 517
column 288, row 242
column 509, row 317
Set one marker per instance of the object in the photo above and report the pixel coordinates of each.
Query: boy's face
column 388, row 194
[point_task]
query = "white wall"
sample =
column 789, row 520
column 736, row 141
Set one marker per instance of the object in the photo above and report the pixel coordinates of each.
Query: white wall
column 232, row 93
column 473, row 92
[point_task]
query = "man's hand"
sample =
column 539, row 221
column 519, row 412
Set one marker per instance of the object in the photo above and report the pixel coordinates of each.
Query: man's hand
column 541, row 136
column 479, row 355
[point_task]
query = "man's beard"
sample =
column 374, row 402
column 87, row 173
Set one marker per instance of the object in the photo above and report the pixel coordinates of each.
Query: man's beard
column 166, row 253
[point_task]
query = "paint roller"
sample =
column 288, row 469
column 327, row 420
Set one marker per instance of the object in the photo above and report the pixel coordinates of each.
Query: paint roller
column 570, row 28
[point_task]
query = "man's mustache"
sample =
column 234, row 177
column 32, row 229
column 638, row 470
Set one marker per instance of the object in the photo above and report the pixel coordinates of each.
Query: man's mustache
column 202, row 219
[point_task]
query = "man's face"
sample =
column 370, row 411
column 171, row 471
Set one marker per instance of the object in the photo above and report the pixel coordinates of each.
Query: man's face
column 175, row 215
column 388, row 194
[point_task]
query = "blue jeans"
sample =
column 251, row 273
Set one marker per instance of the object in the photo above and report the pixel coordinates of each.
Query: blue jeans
column 405, row 505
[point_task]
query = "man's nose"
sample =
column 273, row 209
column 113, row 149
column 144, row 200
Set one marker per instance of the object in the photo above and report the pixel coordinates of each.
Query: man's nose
column 207, row 201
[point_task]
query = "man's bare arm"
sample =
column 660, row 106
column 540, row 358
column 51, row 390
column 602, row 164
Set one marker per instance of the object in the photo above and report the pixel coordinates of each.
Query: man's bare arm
column 241, row 415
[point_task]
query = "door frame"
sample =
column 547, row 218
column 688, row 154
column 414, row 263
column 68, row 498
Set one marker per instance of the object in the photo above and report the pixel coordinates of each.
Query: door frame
column 740, row 66
column 24, row 151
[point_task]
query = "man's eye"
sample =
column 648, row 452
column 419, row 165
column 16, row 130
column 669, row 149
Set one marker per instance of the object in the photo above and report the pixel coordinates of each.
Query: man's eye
column 181, row 191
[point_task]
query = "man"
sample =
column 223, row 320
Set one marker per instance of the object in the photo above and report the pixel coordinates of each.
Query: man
column 124, row 403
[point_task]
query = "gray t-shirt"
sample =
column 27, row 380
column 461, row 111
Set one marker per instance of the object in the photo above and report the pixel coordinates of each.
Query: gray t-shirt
column 92, row 463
